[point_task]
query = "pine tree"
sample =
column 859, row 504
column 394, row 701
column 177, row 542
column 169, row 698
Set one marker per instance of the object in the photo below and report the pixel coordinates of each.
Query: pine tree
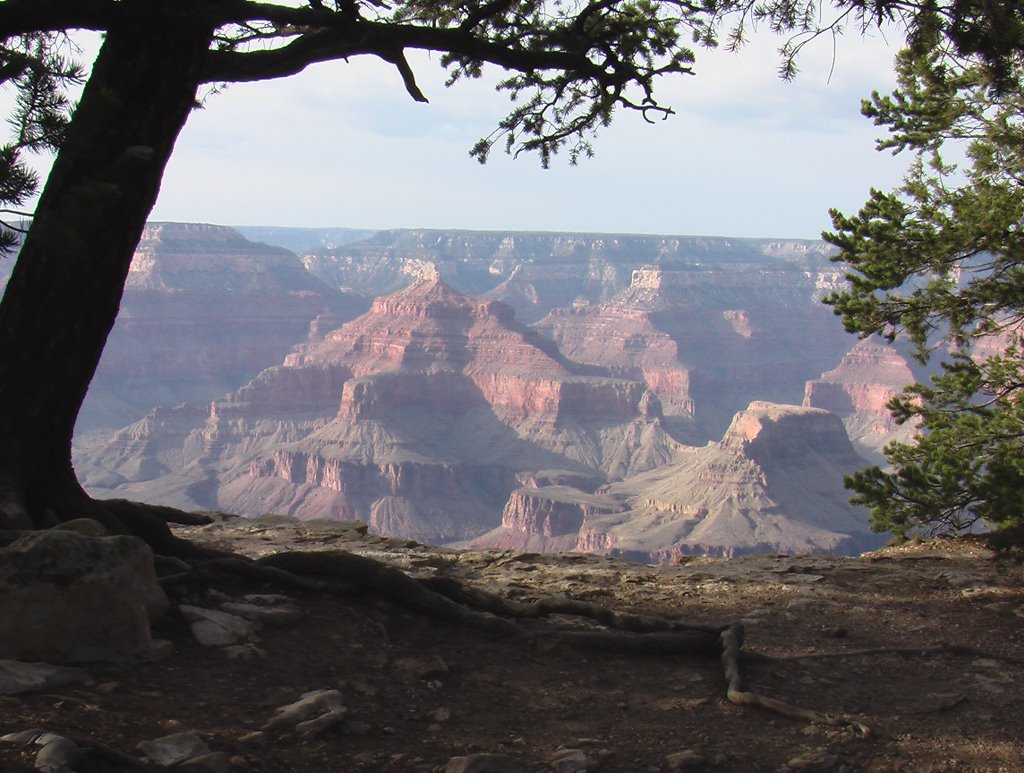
column 940, row 261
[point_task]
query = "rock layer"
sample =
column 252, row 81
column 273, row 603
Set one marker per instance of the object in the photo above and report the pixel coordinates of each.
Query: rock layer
column 204, row 311
column 772, row 484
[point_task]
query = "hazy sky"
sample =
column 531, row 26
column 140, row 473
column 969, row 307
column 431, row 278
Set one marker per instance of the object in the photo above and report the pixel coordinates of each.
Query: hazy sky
column 344, row 145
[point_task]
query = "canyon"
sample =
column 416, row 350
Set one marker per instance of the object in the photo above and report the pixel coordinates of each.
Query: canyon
column 645, row 396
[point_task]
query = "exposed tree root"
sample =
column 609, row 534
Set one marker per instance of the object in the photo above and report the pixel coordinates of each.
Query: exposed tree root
column 549, row 605
column 454, row 602
column 391, row 583
column 732, row 640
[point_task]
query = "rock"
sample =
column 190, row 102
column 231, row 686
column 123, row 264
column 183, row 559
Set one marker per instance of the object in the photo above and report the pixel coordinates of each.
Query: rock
column 173, row 749
column 23, row 737
column 484, row 763
column 87, row 527
column 421, row 668
column 194, row 322
column 66, row 597
column 684, row 760
column 212, row 762
column 313, row 727
column 214, row 628
column 313, row 705
column 819, row 761
column 280, row 614
column 570, row 761
column 17, row 677
column 245, row 651
column 58, row 755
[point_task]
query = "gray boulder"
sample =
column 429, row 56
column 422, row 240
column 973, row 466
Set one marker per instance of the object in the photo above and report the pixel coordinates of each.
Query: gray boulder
column 66, row 597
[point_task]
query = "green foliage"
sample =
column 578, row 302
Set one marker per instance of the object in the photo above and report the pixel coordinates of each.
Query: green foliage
column 34, row 66
column 940, row 261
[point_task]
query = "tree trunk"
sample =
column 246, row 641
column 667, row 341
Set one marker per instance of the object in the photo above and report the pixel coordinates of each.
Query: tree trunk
column 65, row 290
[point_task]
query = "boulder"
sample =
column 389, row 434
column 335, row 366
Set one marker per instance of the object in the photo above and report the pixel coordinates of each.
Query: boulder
column 66, row 597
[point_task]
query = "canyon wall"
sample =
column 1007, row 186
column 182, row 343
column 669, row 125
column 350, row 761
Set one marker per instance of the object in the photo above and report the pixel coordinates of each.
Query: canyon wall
column 204, row 310
column 772, row 484
column 629, row 418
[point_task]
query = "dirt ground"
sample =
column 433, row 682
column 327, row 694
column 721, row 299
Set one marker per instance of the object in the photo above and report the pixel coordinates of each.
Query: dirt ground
column 418, row 692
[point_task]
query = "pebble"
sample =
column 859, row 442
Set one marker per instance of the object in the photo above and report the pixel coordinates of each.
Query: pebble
column 212, row 762
column 18, row 677
column 58, row 755
column 684, row 760
column 421, row 668
column 173, row 749
column 483, row 762
column 812, row 762
column 569, row 761
column 324, row 705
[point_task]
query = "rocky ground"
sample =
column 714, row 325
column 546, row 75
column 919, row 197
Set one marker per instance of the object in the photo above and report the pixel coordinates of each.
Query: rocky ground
column 413, row 694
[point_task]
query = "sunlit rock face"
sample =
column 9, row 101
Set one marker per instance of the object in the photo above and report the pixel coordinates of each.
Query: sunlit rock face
column 635, row 416
column 708, row 339
column 204, row 311
column 536, row 272
column 859, row 389
column 419, row 418
column 772, row 484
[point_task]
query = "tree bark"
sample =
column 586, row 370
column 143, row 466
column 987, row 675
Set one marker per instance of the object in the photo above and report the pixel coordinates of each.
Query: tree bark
column 65, row 291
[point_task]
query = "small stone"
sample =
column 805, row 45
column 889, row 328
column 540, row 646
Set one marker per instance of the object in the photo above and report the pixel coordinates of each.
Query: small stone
column 255, row 738
column 283, row 614
column 483, row 762
column 245, row 651
column 313, row 727
column 835, row 632
column 18, row 677
column 812, row 762
column 569, row 761
column 421, row 668
column 685, row 760
column 172, row 749
column 87, row 527
column 441, row 715
column 59, row 755
column 23, row 737
column 214, row 628
column 213, row 762
column 313, row 704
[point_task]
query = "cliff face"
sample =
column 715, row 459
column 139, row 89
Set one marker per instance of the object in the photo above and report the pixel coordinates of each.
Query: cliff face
column 417, row 418
column 536, row 272
column 441, row 417
column 708, row 339
column 857, row 391
column 773, row 483
column 204, row 311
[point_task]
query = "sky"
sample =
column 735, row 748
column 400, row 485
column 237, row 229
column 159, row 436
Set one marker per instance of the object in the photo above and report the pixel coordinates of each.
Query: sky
column 342, row 144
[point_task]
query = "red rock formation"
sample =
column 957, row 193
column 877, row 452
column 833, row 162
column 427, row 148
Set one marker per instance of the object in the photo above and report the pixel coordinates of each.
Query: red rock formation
column 774, row 483
column 417, row 418
column 706, row 339
column 204, row 311
column 858, row 391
